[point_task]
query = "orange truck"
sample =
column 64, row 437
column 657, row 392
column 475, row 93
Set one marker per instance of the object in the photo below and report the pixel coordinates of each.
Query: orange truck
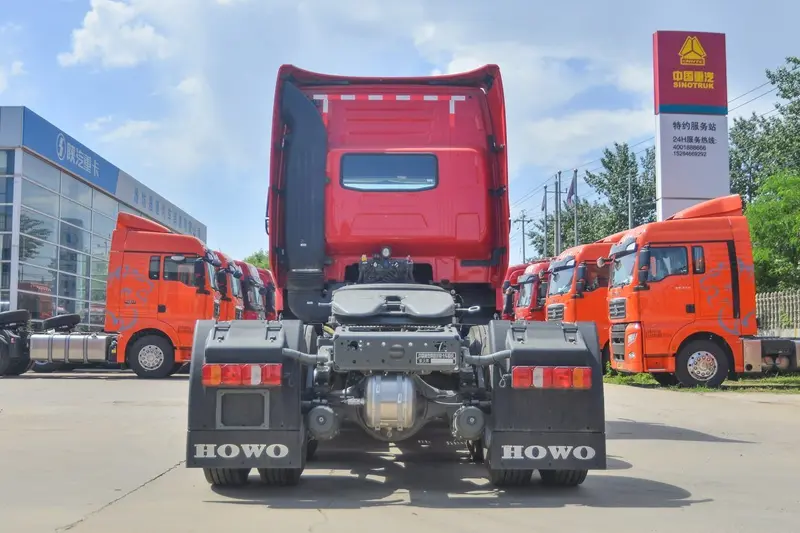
column 273, row 301
column 682, row 300
column 159, row 285
column 253, row 291
column 577, row 288
column 510, row 289
column 228, row 276
column 532, row 295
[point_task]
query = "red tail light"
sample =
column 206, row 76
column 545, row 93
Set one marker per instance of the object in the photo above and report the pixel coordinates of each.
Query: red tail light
column 551, row 377
column 242, row 375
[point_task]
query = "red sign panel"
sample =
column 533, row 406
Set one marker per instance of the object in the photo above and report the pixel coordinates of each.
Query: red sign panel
column 690, row 73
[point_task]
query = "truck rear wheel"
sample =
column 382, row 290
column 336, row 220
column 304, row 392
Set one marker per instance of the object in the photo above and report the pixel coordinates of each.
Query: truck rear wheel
column 227, row 477
column 563, row 478
column 280, row 477
column 151, row 357
column 701, row 363
column 17, row 367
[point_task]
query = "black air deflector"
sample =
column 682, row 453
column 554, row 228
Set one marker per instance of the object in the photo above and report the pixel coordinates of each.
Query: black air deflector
column 305, row 153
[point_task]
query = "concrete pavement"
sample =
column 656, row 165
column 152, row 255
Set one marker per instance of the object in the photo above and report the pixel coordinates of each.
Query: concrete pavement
column 101, row 453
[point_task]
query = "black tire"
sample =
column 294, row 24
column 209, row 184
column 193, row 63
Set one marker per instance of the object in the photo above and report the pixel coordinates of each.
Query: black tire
column 478, row 339
column 719, row 361
column 310, row 337
column 18, row 367
column 505, row 478
column 227, row 477
column 665, row 379
column 563, row 478
column 311, row 449
column 280, row 477
column 162, row 349
column 175, row 368
column 40, row 367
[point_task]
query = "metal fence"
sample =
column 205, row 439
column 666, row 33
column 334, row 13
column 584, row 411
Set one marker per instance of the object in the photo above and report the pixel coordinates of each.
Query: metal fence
column 778, row 313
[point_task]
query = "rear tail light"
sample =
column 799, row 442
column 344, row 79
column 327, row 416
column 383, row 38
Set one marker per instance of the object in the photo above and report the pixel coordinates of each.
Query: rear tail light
column 242, row 375
column 551, row 377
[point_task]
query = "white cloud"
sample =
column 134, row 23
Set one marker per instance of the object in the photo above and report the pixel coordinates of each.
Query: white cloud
column 17, row 68
column 97, row 124
column 6, row 73
column 113, row 33
column 130, row 130
column 216, row 69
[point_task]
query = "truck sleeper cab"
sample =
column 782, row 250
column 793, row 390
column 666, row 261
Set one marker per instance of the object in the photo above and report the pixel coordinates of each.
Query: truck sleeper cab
column 273, row 303
column 682, row 300
column 511, row 290
column 577, row 289
column 532, row 295
column 159, row 285
column 228, row 278
column 253, row 292
column 388, row 226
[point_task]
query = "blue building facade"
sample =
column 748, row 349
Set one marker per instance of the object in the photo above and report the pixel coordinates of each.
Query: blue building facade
column 58, row 206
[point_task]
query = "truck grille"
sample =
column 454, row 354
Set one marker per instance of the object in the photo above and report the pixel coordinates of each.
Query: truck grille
column 555, row 312
column 617, row 341
column 616, row 308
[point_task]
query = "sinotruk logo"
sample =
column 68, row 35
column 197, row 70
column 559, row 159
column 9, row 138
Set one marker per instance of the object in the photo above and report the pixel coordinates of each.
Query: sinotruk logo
column 692, row 52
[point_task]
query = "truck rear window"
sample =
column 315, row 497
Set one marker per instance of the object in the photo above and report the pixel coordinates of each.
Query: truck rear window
column 389, row 172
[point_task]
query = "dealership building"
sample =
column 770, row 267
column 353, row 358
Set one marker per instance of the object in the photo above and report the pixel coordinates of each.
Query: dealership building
column 58, row 206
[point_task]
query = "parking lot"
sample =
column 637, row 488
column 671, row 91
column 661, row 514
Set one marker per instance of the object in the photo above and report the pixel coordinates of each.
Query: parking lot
column 103, row 453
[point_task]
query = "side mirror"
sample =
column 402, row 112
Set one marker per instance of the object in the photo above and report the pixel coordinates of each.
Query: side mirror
column 262, row 291
column 601, row 262
column 199, row 274
column 270, row 300
column 237, row 274
column 641, row 277
column 222, row 278
column 580, row 283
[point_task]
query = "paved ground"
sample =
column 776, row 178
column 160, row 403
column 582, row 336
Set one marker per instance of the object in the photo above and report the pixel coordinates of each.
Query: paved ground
column 98, row 454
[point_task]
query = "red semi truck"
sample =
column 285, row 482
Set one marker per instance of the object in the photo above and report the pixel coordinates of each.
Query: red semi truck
column 388, row 224
column 253, row 291
column 532, row 295
column 159, row 285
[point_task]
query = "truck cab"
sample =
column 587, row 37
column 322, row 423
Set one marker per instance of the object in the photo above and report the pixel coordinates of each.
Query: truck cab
column 511, row 290
column 532, row 292
column 228, row 280
column 273, row 302
column 253, row 291
column 682, row 299
column 577, row 288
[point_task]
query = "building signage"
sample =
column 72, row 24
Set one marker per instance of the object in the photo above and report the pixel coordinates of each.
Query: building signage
column 691, row 108
column 53, row 144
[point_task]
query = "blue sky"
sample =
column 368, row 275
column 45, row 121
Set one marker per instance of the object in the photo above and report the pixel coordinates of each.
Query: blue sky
column 178, row 93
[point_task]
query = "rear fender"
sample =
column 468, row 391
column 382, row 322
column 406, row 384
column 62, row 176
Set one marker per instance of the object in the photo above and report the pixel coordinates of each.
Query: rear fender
column 546, row 428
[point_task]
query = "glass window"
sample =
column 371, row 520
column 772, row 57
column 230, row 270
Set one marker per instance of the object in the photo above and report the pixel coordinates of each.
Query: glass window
column 37, row 252
column 73, row 286
column 698, row 260
column 5, row 276
column 99, row 269
column 389, row 172
column 98, row 316
column 39, row 198
column 6, row 217
column 105, row 204
column 75, row 214
column 41, row 171
column 98, row 291
column 155, row 267
column 561, row 281
column 74, row 307
column 622, row 269
column 73, row 262
column 596, row 277
column 35, row 279
column 5, row 300
column 664, row 262
column 182, row 272
column 37, row 225
column 76, row 190
column 6, row 161
column 74, row 238
column 6, row 241
column 40, row 305
column 6, row 190
column 102, row 225
column 100, row 247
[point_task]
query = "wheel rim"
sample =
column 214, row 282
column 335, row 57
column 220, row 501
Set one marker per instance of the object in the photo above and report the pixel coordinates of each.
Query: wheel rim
column 702, row 366
column 151, row 357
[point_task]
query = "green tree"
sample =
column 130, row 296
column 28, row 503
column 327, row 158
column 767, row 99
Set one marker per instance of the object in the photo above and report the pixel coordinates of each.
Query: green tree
column 258, row 259
column 774, row 218
column 620, row 167
column 762, row 146
column 593, row 222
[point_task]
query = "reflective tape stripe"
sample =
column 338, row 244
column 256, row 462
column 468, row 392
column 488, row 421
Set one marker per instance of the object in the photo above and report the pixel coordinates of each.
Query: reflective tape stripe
column 452, row 99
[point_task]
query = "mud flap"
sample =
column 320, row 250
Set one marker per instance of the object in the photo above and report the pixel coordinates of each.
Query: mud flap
column 546, row 429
